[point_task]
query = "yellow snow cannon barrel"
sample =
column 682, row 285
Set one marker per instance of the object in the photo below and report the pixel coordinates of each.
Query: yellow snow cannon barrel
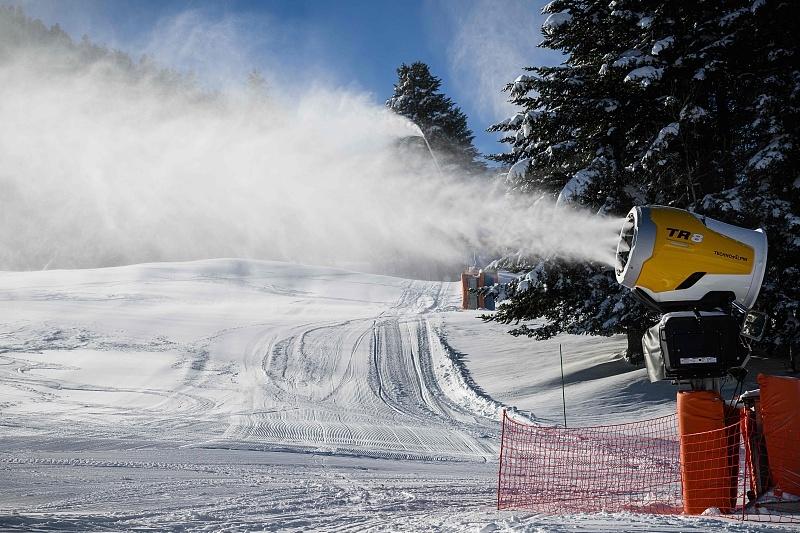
column 676, row 260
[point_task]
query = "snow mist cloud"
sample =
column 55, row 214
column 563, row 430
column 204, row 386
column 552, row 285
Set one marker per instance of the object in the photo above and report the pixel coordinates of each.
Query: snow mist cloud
column 491, row 44
column 97, row 170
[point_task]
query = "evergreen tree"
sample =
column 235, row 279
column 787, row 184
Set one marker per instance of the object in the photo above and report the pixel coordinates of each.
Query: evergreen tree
column 572, row 142
column 418, row 98
column 691, row 105
column 52, row 51
column 766, row 191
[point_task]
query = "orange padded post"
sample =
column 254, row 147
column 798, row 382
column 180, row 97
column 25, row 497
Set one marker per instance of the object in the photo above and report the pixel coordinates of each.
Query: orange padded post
column 707, row 476
column 780, row 412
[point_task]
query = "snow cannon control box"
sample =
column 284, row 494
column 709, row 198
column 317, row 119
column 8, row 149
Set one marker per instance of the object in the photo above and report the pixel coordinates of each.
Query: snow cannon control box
column 675, row 260
column 689, row 346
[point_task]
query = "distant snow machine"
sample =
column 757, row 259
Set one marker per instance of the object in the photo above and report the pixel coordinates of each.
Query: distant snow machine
column 472, row 279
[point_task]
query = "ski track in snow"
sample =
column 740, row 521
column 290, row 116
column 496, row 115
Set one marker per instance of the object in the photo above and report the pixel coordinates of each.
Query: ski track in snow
column 363, row 387
column 238, row 395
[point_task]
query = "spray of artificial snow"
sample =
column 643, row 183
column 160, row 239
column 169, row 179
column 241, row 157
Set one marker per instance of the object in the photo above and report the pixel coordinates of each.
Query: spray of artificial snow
column 99, row 171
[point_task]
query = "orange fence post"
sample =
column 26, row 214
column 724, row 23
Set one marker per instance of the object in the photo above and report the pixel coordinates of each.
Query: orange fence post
column 708, row 468
column 500, row 465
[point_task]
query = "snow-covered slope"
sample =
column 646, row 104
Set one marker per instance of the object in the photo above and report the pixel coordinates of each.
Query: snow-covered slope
column 241, row 395
column 600, row 387
column 236, row 354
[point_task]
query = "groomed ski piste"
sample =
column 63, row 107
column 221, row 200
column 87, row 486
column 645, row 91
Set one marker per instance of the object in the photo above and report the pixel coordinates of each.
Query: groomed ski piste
column 242, row 395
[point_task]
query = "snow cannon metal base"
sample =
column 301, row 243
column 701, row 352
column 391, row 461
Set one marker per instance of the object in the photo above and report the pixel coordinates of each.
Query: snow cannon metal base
column 703, row 276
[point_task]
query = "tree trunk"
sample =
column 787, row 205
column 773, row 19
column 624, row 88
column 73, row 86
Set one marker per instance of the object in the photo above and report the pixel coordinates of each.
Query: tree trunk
column 634, row 354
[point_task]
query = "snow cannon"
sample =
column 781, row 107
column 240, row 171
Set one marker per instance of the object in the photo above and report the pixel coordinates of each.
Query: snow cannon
column 675, row 260
column 703, row 276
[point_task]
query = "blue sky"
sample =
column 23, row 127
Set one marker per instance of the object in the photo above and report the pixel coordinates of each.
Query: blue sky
column 474, row 46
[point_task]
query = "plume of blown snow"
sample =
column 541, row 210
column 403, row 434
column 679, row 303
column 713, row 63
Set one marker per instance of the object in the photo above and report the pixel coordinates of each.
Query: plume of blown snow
column 101, row 169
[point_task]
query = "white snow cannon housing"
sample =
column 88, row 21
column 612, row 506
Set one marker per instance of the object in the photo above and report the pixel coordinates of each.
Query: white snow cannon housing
column 698, row 271
column 676, row 260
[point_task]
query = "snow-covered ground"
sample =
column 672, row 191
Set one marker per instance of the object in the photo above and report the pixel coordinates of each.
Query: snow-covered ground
column 600, row 387
column 249, row 395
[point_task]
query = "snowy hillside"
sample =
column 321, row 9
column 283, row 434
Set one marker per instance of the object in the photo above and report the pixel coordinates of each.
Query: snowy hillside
column 235, row 354
column 259, row 395
column 601, row 388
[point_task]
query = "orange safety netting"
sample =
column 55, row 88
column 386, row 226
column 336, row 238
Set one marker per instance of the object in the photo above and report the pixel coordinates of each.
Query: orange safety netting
column 710, row 463
column 642, row 467
column 626, row 467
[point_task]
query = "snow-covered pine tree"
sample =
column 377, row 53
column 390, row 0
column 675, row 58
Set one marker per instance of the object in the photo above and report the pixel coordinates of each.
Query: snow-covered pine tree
column 418, row 98
column 658, row 102
column 560, row 135
column 571, row 142
column 766, row 189
column 52, row 51
column 732, row 70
